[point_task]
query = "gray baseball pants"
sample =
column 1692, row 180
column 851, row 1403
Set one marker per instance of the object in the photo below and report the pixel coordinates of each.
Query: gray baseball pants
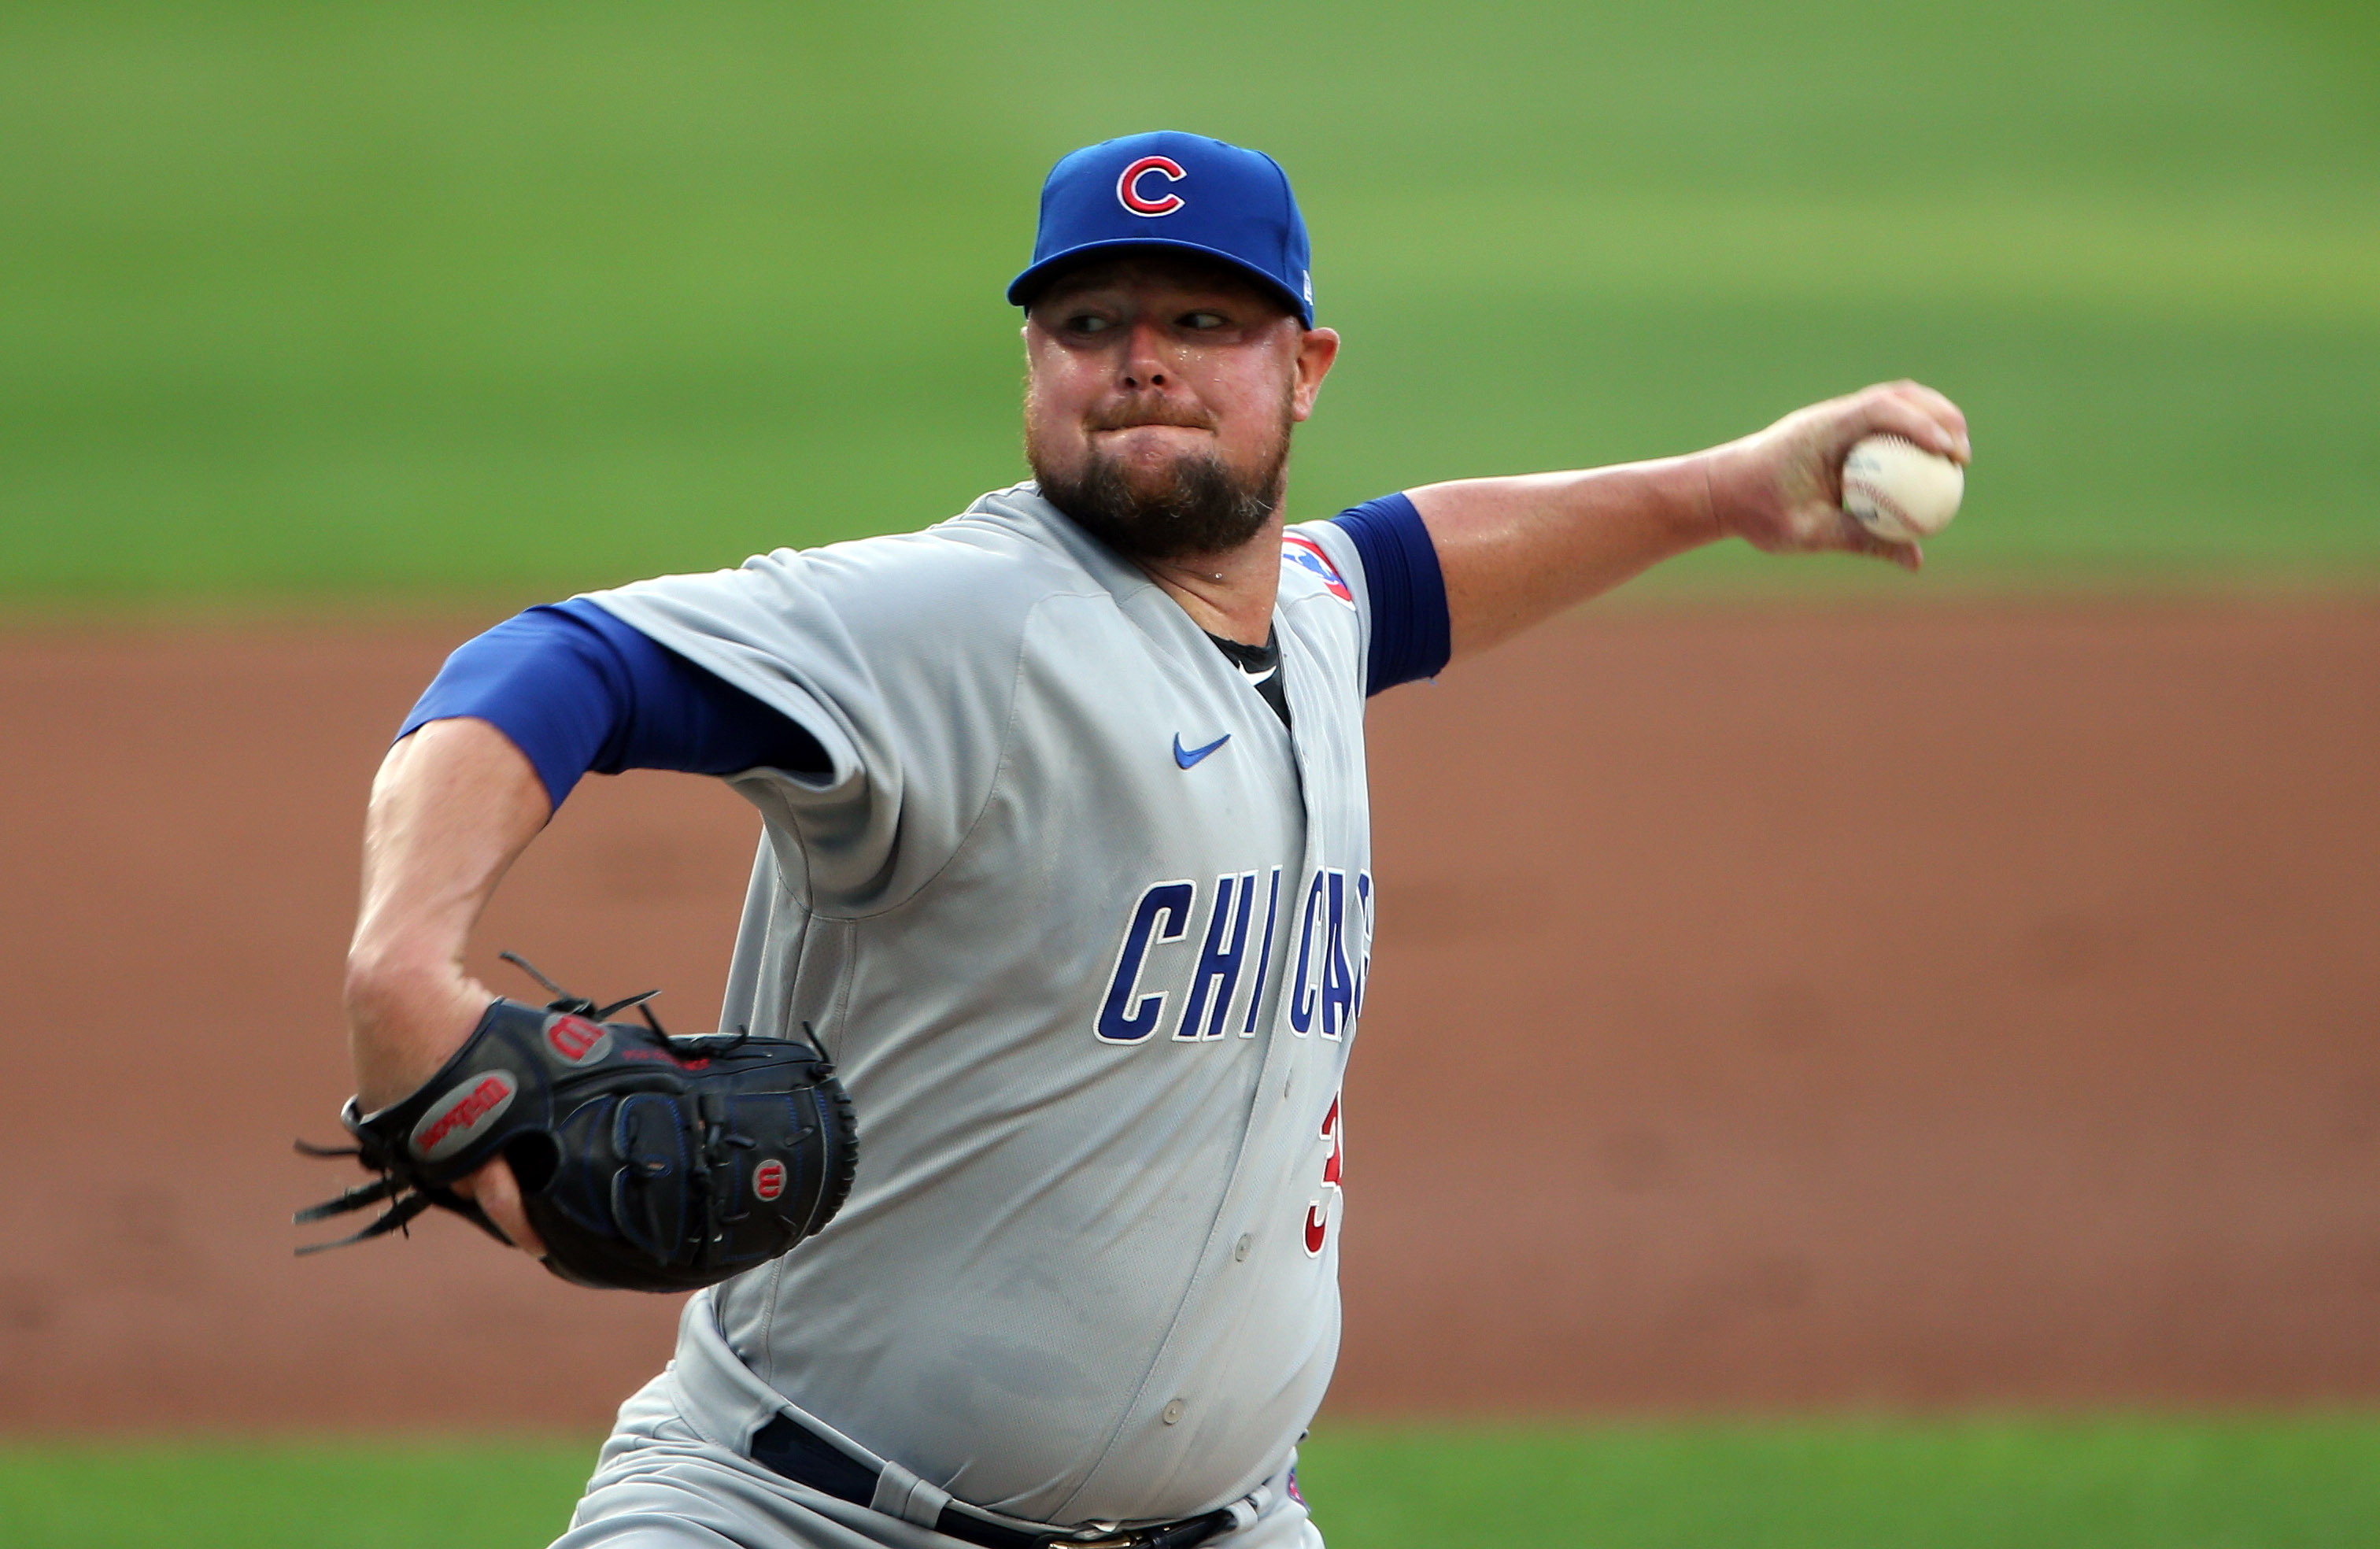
column 659, row 1485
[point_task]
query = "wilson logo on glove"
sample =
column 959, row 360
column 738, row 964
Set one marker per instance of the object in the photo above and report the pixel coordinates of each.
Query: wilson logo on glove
column 450, row 1125
column 577, row 1040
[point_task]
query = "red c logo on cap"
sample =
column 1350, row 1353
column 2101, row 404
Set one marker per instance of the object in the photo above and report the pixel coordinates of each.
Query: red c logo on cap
column 1128, row 192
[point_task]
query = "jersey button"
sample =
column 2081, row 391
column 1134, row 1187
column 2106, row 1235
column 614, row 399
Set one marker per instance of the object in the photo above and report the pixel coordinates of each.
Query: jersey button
column 1240, row 1248
column 1174, row 1411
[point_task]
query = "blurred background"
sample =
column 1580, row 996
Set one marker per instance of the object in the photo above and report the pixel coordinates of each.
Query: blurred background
column 1914, row 1040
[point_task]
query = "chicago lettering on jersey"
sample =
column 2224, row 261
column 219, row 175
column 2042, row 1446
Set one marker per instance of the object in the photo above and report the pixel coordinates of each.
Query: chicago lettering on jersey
column 1156, row 968
column 1326, row 991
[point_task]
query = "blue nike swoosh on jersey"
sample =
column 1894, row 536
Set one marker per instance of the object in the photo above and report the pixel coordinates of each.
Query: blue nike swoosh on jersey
column 1185, row 757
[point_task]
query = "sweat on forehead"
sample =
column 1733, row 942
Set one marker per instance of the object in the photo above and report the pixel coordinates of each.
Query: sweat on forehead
column 1186, row 270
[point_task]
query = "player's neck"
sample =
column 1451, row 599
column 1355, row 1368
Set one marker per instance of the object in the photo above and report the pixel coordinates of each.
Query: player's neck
column 1231, row 594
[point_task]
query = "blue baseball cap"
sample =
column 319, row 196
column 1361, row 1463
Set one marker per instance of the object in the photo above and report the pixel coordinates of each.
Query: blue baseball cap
column 1168, row 189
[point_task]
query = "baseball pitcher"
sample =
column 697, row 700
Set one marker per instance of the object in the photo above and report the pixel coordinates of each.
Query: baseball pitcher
column 1064, row 903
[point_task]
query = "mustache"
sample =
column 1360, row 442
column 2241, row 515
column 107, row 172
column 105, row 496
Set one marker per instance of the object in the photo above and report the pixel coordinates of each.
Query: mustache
column 1130, row 416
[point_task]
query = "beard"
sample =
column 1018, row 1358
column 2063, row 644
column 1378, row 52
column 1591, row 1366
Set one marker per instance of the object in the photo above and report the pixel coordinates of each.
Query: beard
column 1195, row 504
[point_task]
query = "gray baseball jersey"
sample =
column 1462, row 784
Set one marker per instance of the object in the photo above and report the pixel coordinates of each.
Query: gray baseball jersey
column 1086, row 929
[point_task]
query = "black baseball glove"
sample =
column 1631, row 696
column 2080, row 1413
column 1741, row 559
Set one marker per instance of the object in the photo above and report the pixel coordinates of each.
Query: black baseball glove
column 646, row 1161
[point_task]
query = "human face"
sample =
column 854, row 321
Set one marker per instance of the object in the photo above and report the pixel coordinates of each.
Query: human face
column 1160, row 393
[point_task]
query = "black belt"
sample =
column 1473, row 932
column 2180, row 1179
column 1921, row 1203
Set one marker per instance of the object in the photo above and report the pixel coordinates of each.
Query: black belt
column 787, row 1447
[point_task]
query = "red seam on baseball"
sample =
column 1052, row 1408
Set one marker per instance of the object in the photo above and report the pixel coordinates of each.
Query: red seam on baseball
column 1885, row 502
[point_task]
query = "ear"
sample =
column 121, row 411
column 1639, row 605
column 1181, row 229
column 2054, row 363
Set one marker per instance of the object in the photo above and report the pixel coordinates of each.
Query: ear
column 1317, row 349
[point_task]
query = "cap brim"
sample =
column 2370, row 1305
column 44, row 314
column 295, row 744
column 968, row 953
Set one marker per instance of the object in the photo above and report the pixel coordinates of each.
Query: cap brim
column 1022, row 288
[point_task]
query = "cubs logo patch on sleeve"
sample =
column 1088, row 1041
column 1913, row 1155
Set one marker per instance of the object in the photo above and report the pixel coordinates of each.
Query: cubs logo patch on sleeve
column 1306, row 552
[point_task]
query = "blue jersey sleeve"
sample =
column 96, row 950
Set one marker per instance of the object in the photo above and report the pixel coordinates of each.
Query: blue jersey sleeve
column 579, row 691
column 1411, row 634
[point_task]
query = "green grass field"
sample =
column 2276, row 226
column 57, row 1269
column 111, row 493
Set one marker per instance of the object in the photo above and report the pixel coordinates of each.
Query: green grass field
column 2110, row 1484
column 346, row 299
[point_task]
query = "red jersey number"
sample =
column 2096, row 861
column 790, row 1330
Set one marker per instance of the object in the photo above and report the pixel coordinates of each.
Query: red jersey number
column 1317, row 1213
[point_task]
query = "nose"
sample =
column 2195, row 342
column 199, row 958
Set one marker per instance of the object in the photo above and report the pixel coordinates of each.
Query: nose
column 1143, row 365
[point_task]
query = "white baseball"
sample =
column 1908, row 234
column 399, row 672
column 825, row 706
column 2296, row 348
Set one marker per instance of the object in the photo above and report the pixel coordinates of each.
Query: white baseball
column 1899, row 491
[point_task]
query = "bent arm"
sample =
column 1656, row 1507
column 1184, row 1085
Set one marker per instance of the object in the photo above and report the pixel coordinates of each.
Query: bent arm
column 494, row 747
column 452, row 808
column 1515, row 551
column 491, row 749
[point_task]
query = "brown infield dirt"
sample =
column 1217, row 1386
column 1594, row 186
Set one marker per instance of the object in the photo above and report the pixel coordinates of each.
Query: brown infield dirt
column 1970, row 1004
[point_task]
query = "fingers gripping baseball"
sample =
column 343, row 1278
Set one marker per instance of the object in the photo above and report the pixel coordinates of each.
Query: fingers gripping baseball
column 1780, row 490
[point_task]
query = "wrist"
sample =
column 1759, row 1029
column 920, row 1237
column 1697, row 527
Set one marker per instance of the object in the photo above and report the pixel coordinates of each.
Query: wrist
column 1701, row 518
column 406, row 1015
column 1729, row 488
column 1682, row 502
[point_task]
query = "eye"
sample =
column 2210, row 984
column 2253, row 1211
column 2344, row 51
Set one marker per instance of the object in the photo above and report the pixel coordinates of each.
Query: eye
column 1203, row 321
column 1088, row 323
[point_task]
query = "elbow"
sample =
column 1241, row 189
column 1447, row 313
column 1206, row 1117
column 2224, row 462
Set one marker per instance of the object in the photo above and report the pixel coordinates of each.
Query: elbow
column 386, row 979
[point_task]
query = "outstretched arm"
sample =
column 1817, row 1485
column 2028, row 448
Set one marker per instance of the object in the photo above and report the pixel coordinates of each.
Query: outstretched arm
column 1515, row 551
